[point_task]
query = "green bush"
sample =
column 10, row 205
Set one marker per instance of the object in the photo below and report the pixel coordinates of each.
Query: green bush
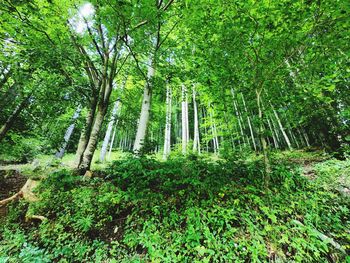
column 183, row 210
column 20, row 149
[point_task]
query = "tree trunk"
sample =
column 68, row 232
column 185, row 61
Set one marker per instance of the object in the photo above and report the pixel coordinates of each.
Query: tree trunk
column 112, row 141
column 167, row 135
column 306, row 138
column 10, row 120
column 85, row 133
column 205, row 130
column 214, row 133
column 102, row 107
column 249, row 123
column 262, row 138
column 196, row 140
column 184, row 118
column 91, row 146
column 281, row 128
column 146, row 107
column 238, row 116
column 59, row 154
column 109, row 131
column 114, row 116
column 275, row 142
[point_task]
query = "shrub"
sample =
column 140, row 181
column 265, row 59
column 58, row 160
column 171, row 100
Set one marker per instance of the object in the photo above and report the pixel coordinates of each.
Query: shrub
column 187, row 209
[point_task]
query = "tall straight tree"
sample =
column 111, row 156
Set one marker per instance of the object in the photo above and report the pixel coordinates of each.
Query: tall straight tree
column 196, row 139
column 184, row 119
column 167, row 135
column 146, row 99
column 114, row 116
column 156, row 42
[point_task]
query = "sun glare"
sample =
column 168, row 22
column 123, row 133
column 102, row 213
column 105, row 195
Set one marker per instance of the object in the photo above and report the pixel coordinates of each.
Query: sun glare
column 85, row 11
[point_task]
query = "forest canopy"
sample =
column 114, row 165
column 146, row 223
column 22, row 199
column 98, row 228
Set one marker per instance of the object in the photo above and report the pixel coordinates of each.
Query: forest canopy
column 219, row 75
column 83, row 84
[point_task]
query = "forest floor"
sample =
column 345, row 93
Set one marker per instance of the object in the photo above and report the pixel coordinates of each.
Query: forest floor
column 193, row 209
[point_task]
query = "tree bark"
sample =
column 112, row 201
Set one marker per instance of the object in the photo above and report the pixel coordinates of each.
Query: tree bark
column 281, row 128
column 249, row 123
column 184, row 118
column 112, row 142
column 11, row 119
column 146, row 106
column 262, row 138
column 306, row 138
column 167, row 135
column 105, row 92
column 109, row 131
column 205, row 130
column 85, row 133
column 196, row 139
column 214, row 133
column 92, row 143
column 238, row 117
column 275, row 142
column 114, row 116
column 59, row 154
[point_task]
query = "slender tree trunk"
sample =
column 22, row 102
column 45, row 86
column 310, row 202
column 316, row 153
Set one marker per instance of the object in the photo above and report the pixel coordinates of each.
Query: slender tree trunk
column 275, row 142
column 277, row 133
column 196, row 140
column 281, row 128
column 114, row 116
column 176, row 125
column 167, row 135
column 262, row 137
column 216, row 138
column 205, row 130
column 214, row 133
column 249, row 123
column 10, row 120
column 187, row 121
column 238, row 115
column 184, row 115
column 306, row 138
column 302, row 138
column 59, row 154
column 109, row 131
column 146, row 106
column 112, row 141
column 291, row 134
column 121, row 141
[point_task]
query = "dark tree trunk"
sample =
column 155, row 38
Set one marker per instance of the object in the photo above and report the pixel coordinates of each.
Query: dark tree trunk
column 10, row 120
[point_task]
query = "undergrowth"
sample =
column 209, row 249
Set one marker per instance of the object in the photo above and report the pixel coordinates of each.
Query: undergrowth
column 182, row 210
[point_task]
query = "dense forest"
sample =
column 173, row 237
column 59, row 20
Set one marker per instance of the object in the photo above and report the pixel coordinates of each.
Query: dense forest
column 174, row 131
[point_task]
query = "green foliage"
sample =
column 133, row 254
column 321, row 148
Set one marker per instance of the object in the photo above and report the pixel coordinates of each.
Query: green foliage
column 184, row 210
column 334, row 175
column 19, row 148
